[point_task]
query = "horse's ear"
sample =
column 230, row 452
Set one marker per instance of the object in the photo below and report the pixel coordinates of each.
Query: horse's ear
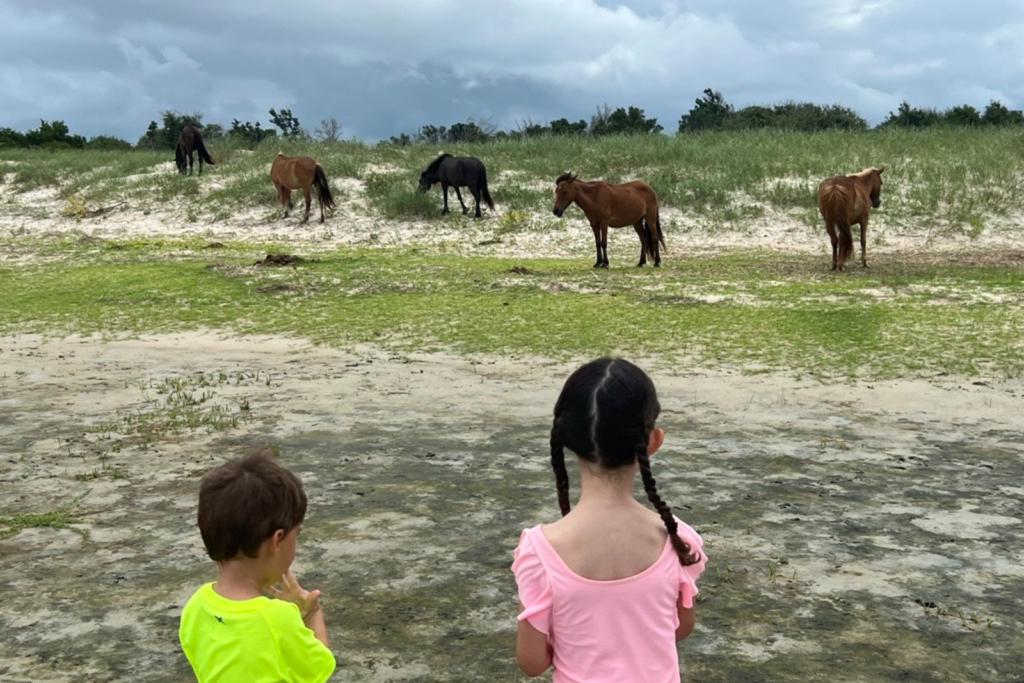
column 880, row 169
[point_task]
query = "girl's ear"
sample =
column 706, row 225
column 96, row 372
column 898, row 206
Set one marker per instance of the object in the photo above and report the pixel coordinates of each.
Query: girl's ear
column 654, row 440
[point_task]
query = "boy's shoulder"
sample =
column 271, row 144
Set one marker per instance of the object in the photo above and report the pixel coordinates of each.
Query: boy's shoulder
column 206, row 599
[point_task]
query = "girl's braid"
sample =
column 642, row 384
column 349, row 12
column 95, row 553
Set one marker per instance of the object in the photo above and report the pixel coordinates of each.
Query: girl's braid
column 682, row 548
column 558, row 465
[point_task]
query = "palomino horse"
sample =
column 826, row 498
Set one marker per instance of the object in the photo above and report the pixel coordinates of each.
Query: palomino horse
column 299, row 173
column 190, row 139
column 844, row 200
column 457, row 172
column 614, row 206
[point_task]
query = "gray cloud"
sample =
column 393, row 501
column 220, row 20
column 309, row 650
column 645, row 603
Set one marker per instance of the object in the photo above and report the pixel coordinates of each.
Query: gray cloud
column 387, row 67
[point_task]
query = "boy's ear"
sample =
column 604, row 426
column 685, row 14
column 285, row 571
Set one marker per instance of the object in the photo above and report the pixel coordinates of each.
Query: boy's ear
column 275, row 539
column 654, row 440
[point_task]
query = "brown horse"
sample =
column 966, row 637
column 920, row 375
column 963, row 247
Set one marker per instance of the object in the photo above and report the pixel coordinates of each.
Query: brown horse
column 614, row 206
column 844, row 200
column 190, row 139
column 299, row 173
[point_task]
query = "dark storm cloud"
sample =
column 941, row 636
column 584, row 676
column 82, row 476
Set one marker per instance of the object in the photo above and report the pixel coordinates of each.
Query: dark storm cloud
column 388, row 67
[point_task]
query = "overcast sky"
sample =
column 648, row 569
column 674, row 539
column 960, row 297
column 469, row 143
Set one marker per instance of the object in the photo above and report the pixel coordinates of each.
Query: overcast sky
column 385, row 67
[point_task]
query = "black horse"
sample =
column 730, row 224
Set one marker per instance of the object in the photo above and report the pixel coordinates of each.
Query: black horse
column 190, row 139
column 458, row 172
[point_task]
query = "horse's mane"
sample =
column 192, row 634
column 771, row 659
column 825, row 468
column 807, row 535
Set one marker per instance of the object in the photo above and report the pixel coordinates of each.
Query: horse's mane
column 868, row 171
column 436, row 162
column 567, row 176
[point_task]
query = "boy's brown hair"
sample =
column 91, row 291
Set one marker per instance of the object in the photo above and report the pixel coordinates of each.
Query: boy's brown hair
column 244, row 501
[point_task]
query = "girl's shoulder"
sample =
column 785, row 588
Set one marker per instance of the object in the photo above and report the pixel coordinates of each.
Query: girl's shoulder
column 528, row 542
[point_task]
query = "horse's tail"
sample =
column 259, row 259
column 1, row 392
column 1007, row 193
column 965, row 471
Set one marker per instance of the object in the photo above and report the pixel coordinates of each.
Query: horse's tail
column 483, row 188
column 654, row 236
column 835, row 209
column 323, row 190
column 201, row 148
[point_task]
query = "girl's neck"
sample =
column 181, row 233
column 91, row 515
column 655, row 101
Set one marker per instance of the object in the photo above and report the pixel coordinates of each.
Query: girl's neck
column 604, row 487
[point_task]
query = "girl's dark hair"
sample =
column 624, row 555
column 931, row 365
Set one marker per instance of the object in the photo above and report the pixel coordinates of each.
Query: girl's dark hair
column 605, row 415
column 243, row 502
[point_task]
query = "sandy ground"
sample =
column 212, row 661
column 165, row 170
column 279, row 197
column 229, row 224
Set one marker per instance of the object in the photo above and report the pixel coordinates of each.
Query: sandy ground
column 857, row 532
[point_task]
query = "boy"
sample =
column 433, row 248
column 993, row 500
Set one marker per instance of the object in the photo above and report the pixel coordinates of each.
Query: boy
column 250, row 513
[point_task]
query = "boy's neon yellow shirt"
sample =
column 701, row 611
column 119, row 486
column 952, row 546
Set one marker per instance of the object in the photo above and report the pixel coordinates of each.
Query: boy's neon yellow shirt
column 250, row 641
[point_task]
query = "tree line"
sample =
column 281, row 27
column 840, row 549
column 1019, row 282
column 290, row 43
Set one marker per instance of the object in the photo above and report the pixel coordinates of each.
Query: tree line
column 710, row 112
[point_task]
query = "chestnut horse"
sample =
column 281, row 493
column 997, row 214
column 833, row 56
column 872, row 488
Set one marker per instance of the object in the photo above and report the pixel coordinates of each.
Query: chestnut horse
column 614, row 206
column 844, row 200
column 190, row 139
column 299, row 173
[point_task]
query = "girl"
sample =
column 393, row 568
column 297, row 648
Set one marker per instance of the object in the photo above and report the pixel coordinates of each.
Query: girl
column 606, row 591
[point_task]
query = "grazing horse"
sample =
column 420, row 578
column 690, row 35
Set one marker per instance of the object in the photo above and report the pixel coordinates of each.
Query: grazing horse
column 844, row 200
column 614, row 206
column 457, row 172
column 190, row 139
column 299, row 173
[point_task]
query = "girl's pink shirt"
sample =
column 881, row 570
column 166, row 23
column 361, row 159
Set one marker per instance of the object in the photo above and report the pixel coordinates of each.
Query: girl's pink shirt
column 607, row 631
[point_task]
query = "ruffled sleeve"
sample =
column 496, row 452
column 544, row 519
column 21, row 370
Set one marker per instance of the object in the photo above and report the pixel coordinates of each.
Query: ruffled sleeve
column 688, row 575
column 532, row 579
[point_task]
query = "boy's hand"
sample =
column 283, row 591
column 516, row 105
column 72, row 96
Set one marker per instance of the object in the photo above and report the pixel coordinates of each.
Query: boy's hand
column 290, row 590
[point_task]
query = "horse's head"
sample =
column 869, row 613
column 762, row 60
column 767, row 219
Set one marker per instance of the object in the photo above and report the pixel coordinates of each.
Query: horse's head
column 426, row 181
column 873, row 176
column 565, row 193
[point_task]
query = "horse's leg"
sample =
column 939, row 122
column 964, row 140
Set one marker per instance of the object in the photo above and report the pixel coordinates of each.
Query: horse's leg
column 476, row 196
column 281, row 199
column 864, row 242
column 835, row 246
column 597, row 243
column 604, row 245
column 642, row 234
column 309, row 199
column 444, row 186
column 461, row 203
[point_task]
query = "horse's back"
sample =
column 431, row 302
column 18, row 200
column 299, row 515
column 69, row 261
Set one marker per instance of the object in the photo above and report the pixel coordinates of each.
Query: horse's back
column 292, row 171
column 627, row 202
column 837, row 196
column 837, row 184
column 462, row 170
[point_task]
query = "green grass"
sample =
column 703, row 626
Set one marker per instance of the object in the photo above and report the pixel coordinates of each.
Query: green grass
column 61, row 517
column 750, row 311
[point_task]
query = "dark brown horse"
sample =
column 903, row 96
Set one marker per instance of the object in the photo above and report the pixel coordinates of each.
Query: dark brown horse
column 844, row 200
column 299, row 173
column 457, row 172
column 614, row 206
column 190, row 139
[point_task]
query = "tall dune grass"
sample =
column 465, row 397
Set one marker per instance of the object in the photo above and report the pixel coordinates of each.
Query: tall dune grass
column 955, row 178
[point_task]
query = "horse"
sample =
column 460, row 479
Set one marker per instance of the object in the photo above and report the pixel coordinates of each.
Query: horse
column 190, row 139
column 299, row 173
column 457, row 172
column 616, row 206
column 844, row 200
